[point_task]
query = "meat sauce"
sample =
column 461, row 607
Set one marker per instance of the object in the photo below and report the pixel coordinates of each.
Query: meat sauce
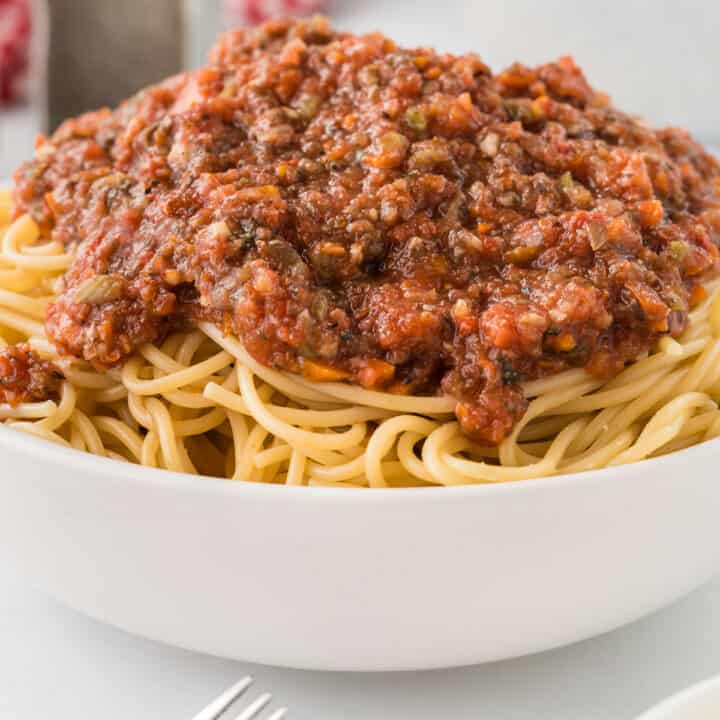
column 24, row 377
column 400, row 219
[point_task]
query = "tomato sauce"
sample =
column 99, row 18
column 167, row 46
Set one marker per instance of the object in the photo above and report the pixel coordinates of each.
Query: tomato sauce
column 24, row 377
column 400, row 219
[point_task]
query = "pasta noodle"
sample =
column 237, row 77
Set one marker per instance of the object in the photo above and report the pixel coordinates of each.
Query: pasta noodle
column 199, row 403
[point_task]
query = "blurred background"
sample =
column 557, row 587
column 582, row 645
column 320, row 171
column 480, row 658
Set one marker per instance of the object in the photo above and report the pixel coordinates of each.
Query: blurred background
column 656, row 58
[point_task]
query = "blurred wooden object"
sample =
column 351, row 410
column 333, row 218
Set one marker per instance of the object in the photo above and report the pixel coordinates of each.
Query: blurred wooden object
column 102, row 51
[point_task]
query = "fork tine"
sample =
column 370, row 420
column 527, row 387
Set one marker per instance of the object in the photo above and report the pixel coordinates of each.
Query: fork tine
column 279, row 714
column 217, row 707
column 254, row 708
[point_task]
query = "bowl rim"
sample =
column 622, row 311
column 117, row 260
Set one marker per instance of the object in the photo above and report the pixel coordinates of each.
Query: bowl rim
column 682, row 700
column 19, row 442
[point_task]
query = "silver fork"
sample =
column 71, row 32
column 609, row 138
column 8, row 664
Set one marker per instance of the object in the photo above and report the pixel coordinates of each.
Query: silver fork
column 218, row 706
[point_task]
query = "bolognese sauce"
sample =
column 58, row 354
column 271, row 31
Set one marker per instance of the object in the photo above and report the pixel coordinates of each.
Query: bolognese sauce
column 400, row 219
column 25, row 377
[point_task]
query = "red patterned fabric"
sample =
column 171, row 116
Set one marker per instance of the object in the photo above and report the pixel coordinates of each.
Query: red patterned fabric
column 15, row 27
column 251, row 12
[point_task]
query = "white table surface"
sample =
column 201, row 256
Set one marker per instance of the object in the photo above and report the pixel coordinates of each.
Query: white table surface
column 55, row 663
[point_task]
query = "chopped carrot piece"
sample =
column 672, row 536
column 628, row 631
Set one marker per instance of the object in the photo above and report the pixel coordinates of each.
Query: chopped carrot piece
column 376, row 373
column 697, row 295
column 320, row 372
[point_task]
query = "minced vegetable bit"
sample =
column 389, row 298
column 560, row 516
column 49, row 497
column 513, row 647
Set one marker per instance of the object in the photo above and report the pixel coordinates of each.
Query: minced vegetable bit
column 401, row 219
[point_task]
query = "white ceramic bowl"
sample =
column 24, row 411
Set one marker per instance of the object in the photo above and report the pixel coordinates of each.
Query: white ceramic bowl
column 700, row 702
column 359, row 580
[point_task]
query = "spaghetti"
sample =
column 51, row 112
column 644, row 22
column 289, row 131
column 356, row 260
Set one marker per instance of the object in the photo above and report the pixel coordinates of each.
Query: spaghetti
column 326, row 259
column 199, row 403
